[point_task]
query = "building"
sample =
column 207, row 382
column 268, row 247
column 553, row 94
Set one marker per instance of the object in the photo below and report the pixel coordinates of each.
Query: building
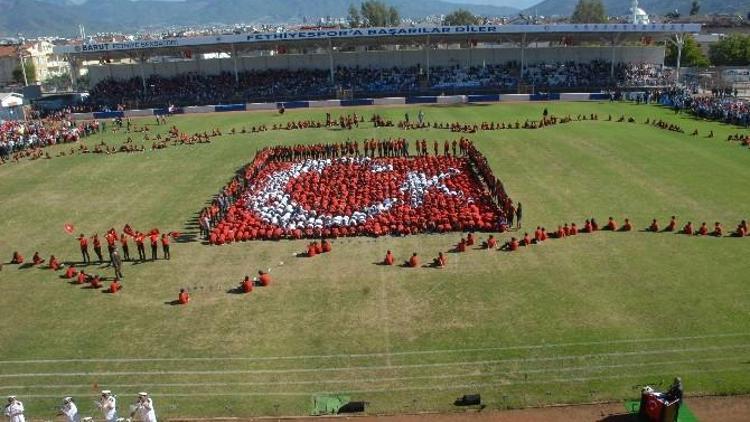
column 8, row 63
column 11, row 106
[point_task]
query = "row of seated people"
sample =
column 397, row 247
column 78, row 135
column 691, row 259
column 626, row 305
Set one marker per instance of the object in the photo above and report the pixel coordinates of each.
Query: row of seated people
column 200, row 89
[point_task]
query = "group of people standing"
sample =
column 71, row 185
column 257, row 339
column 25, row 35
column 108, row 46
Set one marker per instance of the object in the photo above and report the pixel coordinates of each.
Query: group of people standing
column 142, row 410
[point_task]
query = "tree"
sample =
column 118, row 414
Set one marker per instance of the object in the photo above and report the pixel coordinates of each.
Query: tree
column 695, row 8
column 461, row 17
column 733, row 50
column 377, row 13
column 30, row 72
column 692, row 55
column 589, row 11
column 353, row 17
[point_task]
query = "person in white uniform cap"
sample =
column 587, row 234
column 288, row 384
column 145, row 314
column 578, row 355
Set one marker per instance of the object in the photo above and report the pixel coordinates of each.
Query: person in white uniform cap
column 144, row 409
column 14, row 410
column 108, row 404
column 70, row 410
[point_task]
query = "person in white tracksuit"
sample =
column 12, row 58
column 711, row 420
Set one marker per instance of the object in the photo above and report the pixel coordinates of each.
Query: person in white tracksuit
column 108, row 405
column 70, row 410
column 144, row 409
column 14, row 410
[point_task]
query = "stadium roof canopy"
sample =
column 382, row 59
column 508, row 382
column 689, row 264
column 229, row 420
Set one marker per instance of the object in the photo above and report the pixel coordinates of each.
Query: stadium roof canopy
column 521, row 34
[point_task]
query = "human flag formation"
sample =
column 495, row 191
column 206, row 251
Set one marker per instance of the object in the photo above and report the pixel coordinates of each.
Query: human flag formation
column 352, row 196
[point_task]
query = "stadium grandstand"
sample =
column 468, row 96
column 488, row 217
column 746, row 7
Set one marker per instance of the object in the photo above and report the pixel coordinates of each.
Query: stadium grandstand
column 326, row 63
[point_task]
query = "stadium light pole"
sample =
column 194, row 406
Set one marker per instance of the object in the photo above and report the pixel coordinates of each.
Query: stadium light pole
column 234, row 59
column 21, row 60
column 330, row 60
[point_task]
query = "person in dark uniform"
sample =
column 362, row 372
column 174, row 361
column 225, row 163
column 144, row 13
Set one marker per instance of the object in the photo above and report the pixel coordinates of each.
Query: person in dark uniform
column 519, row 215
column 675, row 394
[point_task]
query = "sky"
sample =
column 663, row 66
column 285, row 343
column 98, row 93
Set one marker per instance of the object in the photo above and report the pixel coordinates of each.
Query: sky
column 519, row 4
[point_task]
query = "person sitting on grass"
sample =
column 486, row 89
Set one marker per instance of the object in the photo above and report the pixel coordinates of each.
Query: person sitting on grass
column 688, row 229
column 627, row 226
column 81, row 279
column 54, row 264
column 566, row 230
column 388, row 258
column 491, row 242
column 741, row 229
column 413, row 261
column 703, row 230
column 594, row 225
column 461, row 247
column 611, row 225
column 264, row 278
column 17, row 258
column 587, row 227
column 441, row 261
column 96, row 282
column 526, row 241
column 36, row 259
column 560, row 233
column 573, row 229
column 115, row 286
column 184, row 297
column 544, row 234
column 470, row 239
column 672, row 226
column 70, row 272
column 247, row 285
column 311, row 250
column 326, row 246
column 512, row 245
column 654, row 227
column 718, row 230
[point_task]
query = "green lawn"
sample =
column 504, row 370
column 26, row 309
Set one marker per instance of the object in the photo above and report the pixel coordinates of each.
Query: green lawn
column 584, row 319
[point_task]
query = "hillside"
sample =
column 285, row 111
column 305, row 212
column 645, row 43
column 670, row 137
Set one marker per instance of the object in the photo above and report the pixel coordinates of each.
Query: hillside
column 62, row 17
column 617, row 7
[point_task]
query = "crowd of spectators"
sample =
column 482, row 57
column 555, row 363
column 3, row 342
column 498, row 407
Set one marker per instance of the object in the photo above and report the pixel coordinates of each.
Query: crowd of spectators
column 284, row 85
column 16, row 136
column 720, row 105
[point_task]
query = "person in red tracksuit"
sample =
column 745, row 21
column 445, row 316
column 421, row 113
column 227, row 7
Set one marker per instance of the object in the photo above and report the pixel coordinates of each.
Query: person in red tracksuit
column 140, row 238
column 154, row 245
column 165, row 245
column 125, row 248
column 84, row 242
column 98, row 247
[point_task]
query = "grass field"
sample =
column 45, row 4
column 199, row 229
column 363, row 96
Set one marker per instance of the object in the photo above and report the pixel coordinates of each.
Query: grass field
column 578, row 320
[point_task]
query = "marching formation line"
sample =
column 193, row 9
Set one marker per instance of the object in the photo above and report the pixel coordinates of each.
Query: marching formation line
column 377, row 367
column 376, row 379
column 419, row 388
column 376, row 354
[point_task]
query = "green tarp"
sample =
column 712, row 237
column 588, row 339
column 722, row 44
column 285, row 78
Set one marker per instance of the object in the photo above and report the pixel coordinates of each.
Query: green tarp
column 328, row 405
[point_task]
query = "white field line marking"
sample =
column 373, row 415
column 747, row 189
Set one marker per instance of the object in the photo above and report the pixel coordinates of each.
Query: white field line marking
column 374, row 367
column 368, row 355
column 421, row 388
column 377, row 380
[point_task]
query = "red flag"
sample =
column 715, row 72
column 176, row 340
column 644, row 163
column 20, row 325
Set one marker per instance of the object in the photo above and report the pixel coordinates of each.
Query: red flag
column 174, row 235
column 128, row 230
column 69, row 228
column 360, row 196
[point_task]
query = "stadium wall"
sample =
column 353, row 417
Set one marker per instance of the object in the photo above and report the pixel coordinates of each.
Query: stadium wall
column 383, row 59
column 452, row 99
